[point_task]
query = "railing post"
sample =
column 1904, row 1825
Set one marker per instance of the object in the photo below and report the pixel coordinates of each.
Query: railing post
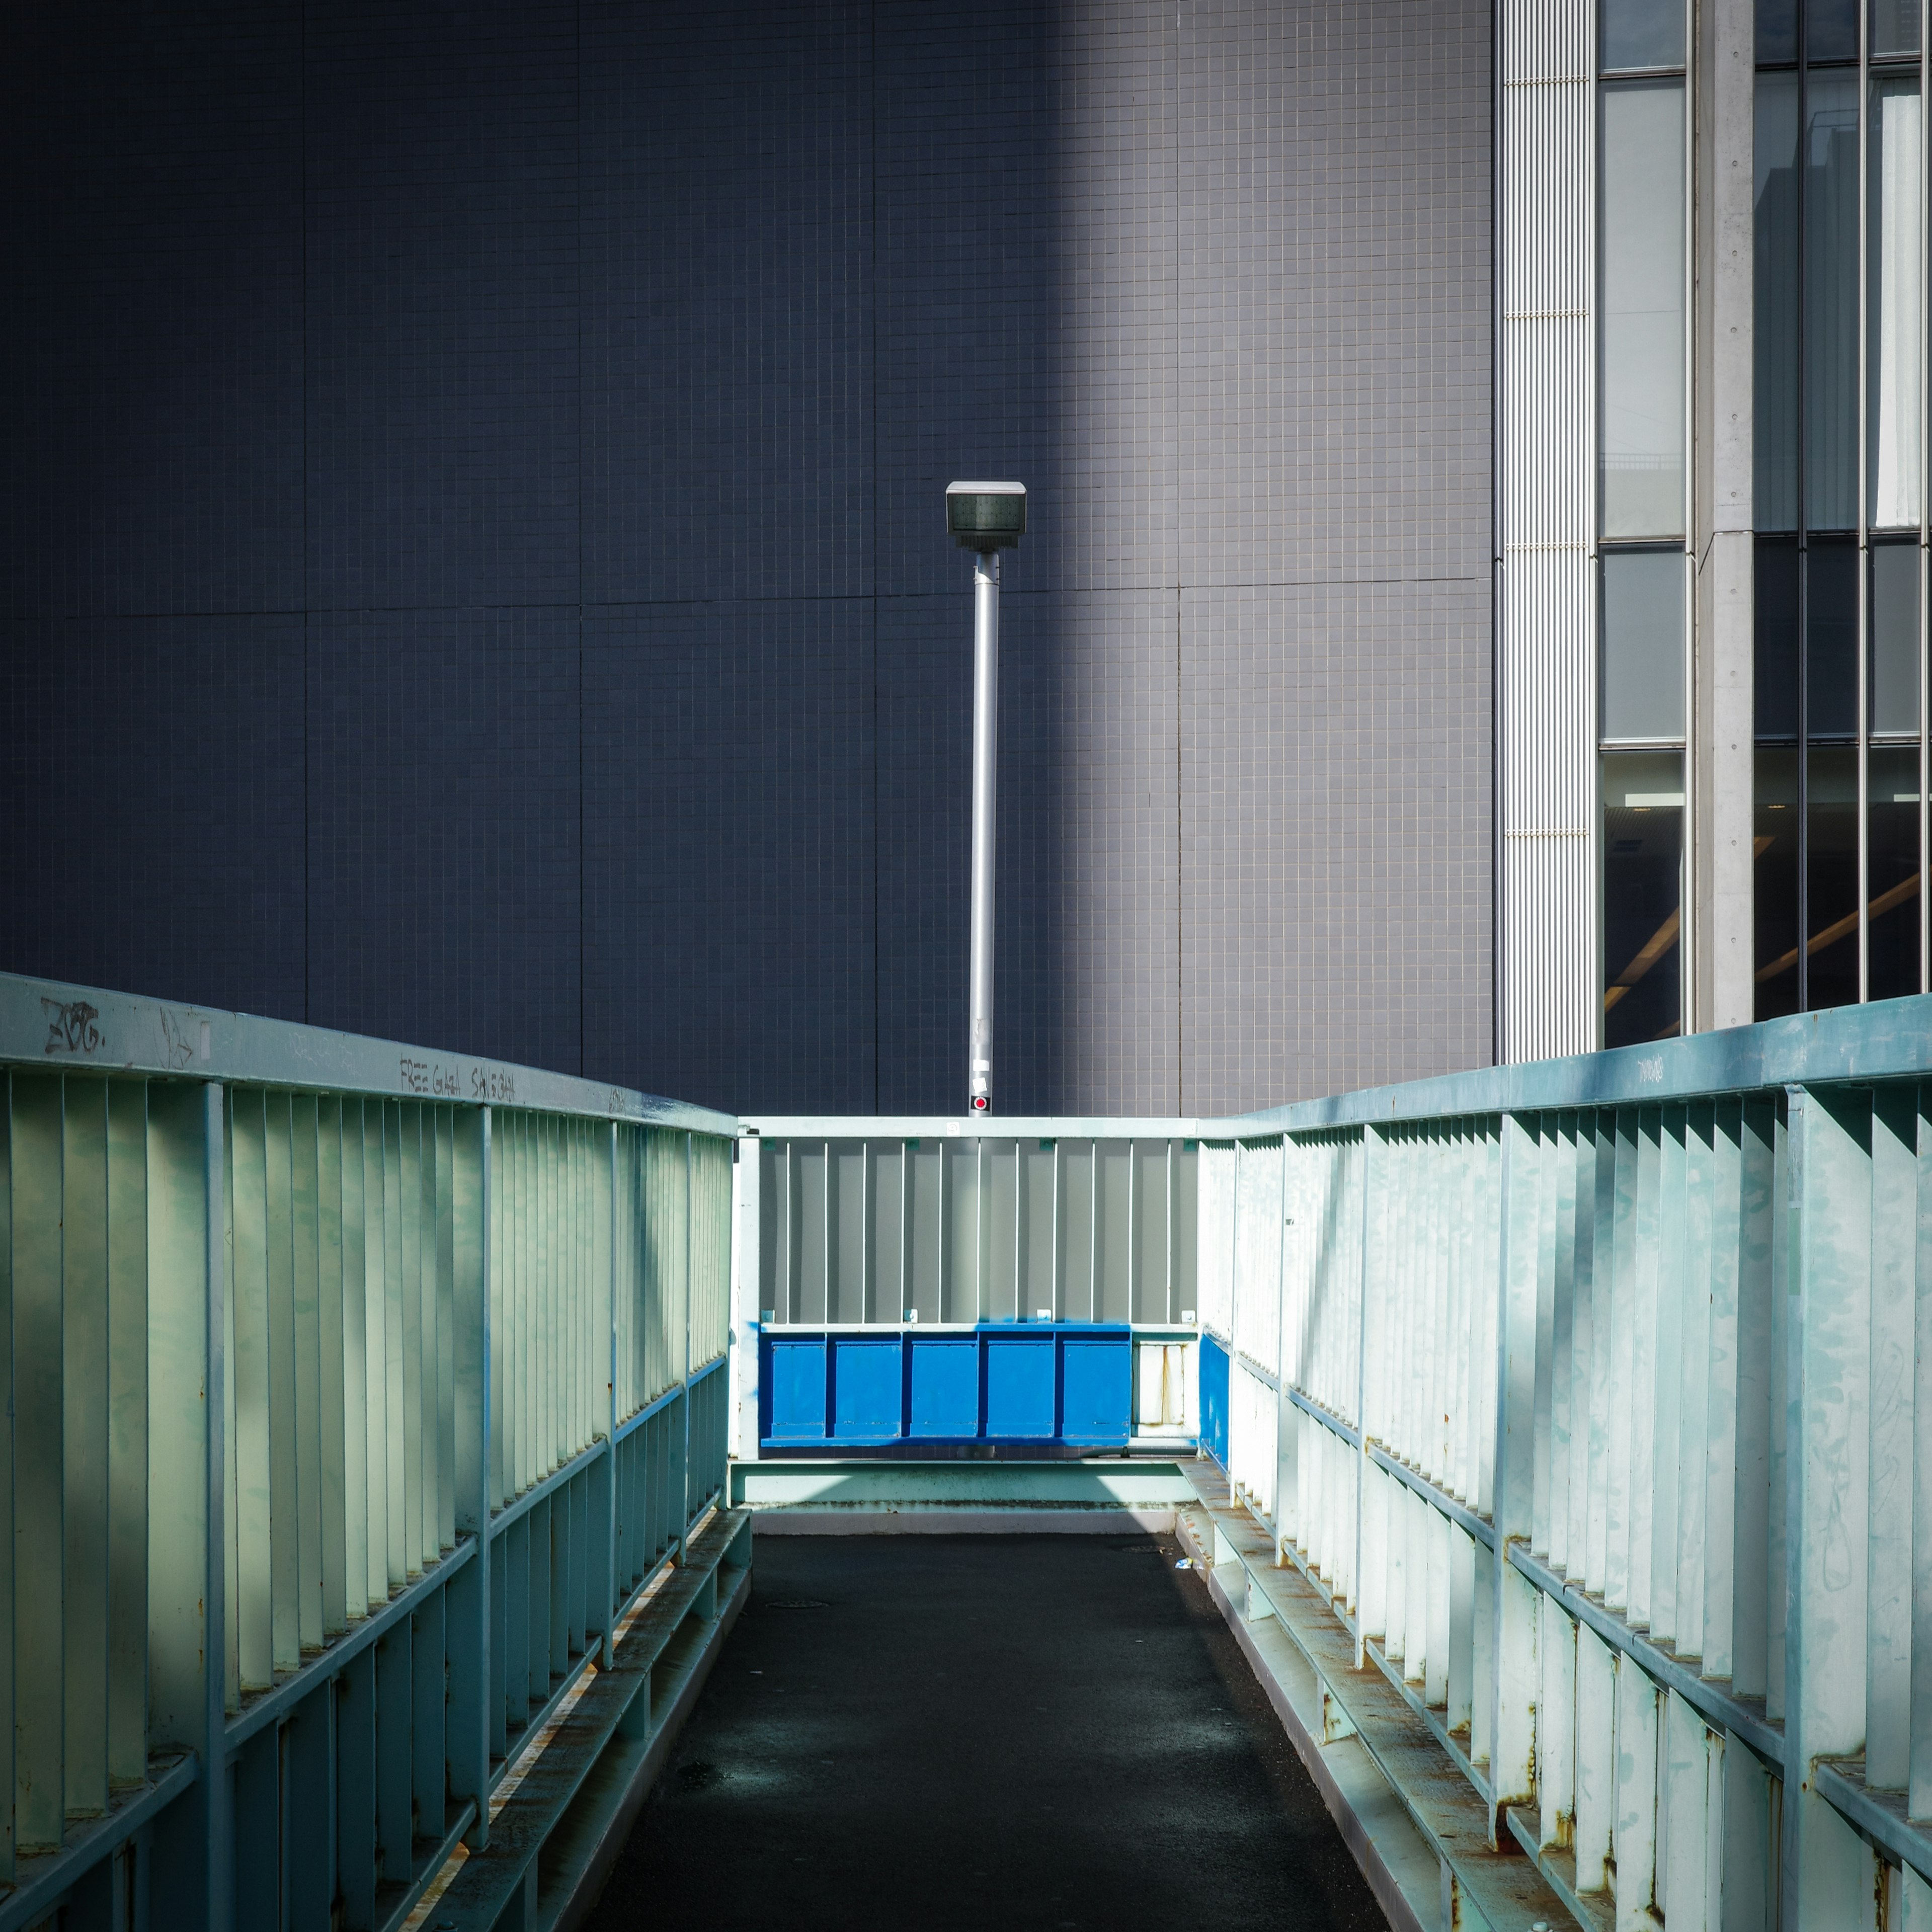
column 684, row 1518
column 748, row 1287
column 1513, row 1602
column 469, row 1634
column 1372, row 1141
column 606, row 1653
column 214, row 1726
column 1827, row 1291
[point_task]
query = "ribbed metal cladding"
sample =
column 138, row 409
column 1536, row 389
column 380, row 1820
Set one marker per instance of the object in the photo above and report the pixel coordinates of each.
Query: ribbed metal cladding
column 1547, row 202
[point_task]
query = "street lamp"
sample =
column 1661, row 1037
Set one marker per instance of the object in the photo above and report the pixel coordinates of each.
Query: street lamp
column 985, row 518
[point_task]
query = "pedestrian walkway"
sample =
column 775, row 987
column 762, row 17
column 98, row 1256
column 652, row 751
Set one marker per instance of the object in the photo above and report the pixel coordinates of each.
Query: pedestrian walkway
column 1015, row 1731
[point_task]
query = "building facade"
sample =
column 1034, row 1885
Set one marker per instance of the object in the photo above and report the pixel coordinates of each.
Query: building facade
column 473, row 567
column 1711, row 428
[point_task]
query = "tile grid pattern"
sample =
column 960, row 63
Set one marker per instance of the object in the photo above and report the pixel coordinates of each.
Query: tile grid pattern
column 470, row 566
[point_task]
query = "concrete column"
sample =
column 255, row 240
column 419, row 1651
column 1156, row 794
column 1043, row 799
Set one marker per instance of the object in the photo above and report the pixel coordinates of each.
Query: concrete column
column 1721, row 853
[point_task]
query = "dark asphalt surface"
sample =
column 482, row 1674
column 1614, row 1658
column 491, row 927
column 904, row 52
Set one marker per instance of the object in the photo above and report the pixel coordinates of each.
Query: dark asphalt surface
column 1011, row 1732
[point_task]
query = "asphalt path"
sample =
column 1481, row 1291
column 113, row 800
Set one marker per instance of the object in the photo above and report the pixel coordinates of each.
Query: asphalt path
column 1015, row 1731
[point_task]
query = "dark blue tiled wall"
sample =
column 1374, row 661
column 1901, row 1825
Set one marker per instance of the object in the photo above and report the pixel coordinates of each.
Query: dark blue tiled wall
column 470, row 548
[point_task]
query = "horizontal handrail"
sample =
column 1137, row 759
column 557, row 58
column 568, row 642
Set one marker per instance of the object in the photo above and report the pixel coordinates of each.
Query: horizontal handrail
column 49, row 1024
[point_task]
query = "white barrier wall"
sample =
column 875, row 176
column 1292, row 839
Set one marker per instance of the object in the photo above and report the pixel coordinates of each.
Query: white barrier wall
column 1606, row 1430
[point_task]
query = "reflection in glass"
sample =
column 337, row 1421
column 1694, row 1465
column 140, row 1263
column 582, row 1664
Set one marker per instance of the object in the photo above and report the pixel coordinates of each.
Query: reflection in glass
column 1774, row 828
column 1775, row 301
column 1643, row 644
column 1643, row 855
column 1831, row 301
column 1774, row 607
column 1893, row 679
column 1891, row 910
column 1777, row 30
column 1642, row 33
column 1895, row 351
column 1831, row 30
column 1832, row 877
column 1894, row 27
column 1643, row 309
column 1831, row 637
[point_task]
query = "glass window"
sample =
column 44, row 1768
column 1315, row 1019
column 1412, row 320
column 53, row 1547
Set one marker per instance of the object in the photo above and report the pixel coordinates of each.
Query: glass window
column 1832, row 638
column 1642, row 33
column 1893, row 676
column 1832, row 877
column 1891, row 849
column 1643, row 864
column 1775, row 827
column 1775, row 596
column 1831, row 301
column 1775, row 344
column 1832, row 30
column 1643, row 309
column 1895, row 351
column 1778, row 30
column 1643, row 644
column 1894, row 27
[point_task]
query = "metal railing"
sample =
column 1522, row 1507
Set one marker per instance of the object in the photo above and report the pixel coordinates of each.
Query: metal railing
column 1595, row 1397
column 388, row 1379
column 893, row 1223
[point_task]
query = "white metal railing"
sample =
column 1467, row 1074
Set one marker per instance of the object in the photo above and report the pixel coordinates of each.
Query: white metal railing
column 386, row 1378
column 1601, row 1408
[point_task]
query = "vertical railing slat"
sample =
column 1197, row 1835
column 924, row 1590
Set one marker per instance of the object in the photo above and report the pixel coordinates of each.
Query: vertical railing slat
column 330, row 1272
column 84, row 1584
column 128, row 1266
column 305, row 1336
column 39, row 1458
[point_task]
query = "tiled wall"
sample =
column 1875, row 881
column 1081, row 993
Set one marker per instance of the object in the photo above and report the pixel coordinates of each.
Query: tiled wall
column 470, row 565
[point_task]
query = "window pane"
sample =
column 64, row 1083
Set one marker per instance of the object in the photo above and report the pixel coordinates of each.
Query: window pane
column 1831, row 30
column 1894, row 26
column 1643, row 644
column 1778, row 30
column 1643, row 309
column 1831, row 637
column 1896, row 350
column 1832, row 877
column 1774, row 595
column 1831, row 301
column 1894, row 680
column 1775, row 346
column 1643, row 855
column 1642, row 33
column 1774, row 881
column 1892, row 939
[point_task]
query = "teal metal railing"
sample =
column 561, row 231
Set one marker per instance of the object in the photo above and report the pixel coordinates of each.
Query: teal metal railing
column 389, row 1379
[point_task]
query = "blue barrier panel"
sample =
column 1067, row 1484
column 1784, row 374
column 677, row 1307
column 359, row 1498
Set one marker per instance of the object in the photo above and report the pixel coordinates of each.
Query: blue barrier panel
column 1020, row 1386
column 1096, row 1383
column 1005, row 1381
column 1214, row 1400
column 867, row 1398
column 943, row 1386
column 795, row 1375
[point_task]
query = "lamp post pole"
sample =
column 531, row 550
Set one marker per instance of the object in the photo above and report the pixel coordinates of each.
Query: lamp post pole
column 986, row 788
column 985, row 518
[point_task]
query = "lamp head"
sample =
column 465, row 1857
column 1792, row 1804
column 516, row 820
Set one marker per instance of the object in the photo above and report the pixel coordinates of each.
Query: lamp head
column 985, row 516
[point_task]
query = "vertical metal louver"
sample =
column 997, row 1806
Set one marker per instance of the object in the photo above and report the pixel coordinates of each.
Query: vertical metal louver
column 1546, row 730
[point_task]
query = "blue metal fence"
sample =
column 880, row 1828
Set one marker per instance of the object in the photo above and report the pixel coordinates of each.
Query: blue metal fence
column 1022, row 1384
column 359, row 1394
